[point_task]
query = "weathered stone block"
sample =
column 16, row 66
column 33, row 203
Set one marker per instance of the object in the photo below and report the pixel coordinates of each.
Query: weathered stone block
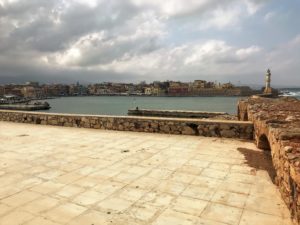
column 228, row 133
column 188, row 131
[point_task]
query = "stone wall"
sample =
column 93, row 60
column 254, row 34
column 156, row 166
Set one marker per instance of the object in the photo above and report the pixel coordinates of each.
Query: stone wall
column 208, row 128
column 209, row 92
column 174, row 113
column 277, row 128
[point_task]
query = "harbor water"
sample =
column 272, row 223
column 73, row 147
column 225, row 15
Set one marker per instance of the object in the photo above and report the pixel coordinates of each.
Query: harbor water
column 119, row 105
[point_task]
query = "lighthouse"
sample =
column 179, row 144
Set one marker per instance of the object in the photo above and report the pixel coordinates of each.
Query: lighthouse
column 268, row 89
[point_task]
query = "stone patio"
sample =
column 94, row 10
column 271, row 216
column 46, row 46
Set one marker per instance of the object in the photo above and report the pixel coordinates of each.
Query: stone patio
column 58, row 175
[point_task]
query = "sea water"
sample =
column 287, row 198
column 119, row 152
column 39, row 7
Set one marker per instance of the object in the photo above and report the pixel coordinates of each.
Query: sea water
column 119, row 105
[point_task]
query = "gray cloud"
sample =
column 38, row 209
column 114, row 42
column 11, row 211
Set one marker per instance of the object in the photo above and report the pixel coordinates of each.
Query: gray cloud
column 136, row 40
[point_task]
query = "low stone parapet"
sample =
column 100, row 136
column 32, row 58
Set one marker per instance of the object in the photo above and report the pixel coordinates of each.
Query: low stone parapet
column 208, row 128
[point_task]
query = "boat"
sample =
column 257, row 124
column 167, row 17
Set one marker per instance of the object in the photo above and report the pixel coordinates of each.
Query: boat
column 29, row 106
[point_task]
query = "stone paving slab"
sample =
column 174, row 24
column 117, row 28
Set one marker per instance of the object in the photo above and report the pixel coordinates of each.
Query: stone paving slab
column 58, row 175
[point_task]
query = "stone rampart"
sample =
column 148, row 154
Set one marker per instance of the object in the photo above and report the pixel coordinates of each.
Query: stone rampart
column 277, row 128
column 208, row 128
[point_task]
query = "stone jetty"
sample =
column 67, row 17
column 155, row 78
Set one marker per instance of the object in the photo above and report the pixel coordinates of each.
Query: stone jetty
column 174, row 113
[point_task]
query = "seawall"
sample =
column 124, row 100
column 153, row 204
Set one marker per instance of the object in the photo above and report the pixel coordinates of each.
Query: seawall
column 213, row 92
column 184, row 126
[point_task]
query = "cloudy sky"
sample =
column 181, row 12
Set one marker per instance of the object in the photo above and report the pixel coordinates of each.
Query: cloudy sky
column 134, row 40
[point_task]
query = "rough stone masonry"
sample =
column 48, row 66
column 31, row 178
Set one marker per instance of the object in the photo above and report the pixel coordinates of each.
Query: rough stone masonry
column 183, row 126
column 277, row 128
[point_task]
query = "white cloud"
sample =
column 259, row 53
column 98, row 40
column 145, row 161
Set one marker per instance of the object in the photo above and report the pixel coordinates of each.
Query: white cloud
column 139, row 35
column 269, row 16
column 69, row 57
column 285, row 59
column 90, row 3
column 209, row 57
column 210, row 13
column 248, row 52
column 208, row 51
column 295, row 41
column 254, row 5
column 7, row 2
column 174, row 7
column 221, row 18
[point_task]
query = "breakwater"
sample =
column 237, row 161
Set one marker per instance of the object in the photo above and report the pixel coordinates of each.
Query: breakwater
column 174, row 113
column 200, row 127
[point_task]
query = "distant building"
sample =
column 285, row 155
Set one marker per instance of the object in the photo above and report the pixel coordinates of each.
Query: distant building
column 157, row 88
column 13, row 90
column 227, row 86
column 199, row 84
column 160, row 88
column 268, row 89
column 31, row 83
column 2, row 92
column 130, row 89
column 56, row 90
column 32, row 92
column 178, row 89
column 148, row 91
column 157, row 91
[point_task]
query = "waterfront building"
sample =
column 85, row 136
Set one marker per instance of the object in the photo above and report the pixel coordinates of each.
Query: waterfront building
column 2, row 90
column 56, row 90
column 130, row 89
column 157, row 88
column 178, row 89
column 32, row 83
column 73, row 89
column 32, row 92
column 199, row 84
column 227, row 86
column 148, row 91
column 13, row 90
column 156, row 91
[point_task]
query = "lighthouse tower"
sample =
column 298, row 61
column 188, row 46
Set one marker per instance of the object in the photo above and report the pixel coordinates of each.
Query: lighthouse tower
column 268, row 89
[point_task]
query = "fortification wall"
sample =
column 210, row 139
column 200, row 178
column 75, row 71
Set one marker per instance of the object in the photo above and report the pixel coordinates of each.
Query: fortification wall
column 209, row 92
column 277, row 128
column 208, row 128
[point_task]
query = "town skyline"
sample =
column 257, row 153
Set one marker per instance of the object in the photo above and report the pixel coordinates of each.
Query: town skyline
column 35, row 90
